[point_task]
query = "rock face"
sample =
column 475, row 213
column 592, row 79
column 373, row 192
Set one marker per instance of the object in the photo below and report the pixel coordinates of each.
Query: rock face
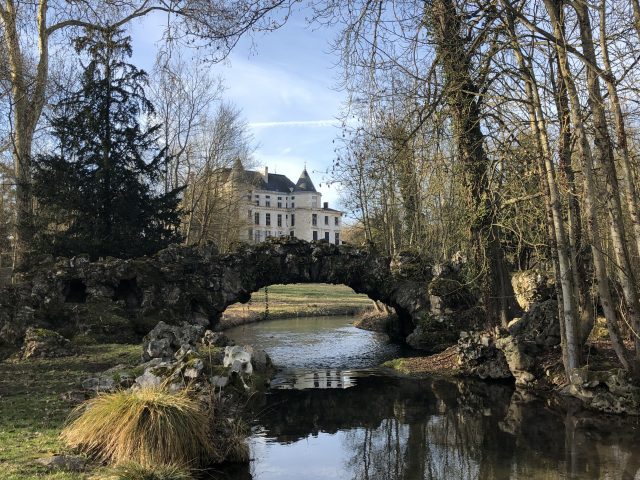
column 43, row 343
column 122, row 300
column 532, row 286
column 165, row 340
column 608, row 391
column 536, row 331
column 452, row 309
column 512, row 352
column 478, row 356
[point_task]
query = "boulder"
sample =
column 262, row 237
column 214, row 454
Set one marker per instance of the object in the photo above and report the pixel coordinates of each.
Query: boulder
column 610, row 391
column 531, row 286
column 43, row 343
column 478, row 356
column 71, row 463
column 238, row 358
column 100, row 384
column 215, row 339
column 165, row 340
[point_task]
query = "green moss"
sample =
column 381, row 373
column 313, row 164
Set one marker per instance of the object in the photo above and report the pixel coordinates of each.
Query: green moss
column 44, row 333
column 398, row 364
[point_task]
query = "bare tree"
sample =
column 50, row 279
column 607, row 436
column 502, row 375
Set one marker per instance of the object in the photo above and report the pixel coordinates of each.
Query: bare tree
column 28, row 29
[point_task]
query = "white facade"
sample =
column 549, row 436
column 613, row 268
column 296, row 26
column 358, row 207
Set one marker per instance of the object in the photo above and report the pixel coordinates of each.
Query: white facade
column 274, row 206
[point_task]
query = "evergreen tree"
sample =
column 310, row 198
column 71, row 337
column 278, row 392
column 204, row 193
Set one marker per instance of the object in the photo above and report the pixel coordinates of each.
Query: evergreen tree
column 97, row 191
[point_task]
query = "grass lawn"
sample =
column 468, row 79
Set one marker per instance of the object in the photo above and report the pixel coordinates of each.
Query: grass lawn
column 297, row 300
column 33, row 410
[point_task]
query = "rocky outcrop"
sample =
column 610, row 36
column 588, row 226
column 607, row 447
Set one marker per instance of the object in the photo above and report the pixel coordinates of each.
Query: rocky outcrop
column 122, row 300
column 452, row 310
column 512, row 352
column 165, row 340
column 610, row 391
column 479, row 357
column 531, row 286
column 43, row 343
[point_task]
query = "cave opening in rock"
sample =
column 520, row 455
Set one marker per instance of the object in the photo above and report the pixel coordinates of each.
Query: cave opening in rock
column 76, row 291
column 128, row 291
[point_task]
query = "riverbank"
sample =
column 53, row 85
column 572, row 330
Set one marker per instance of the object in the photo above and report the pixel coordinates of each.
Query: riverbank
column 295, row 300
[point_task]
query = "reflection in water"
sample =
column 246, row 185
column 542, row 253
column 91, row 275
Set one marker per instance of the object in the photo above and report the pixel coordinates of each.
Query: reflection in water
column 303, row 379
column 385, row 428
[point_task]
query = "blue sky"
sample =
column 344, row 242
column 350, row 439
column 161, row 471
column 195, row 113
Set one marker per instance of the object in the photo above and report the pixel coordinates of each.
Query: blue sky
column 284, row 83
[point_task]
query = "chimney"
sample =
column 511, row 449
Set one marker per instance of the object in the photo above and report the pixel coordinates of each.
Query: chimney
column 266, row 174
column 326, row 205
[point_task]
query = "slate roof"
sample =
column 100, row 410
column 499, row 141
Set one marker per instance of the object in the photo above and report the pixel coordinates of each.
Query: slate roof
column 304, row 183
column 277, row 182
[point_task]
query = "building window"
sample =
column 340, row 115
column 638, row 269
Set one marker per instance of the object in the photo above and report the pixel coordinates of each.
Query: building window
column 293, row 198
column 279, row 198
column 315, row 235
column 257, row 236
column 250, row 234
column 326, row 236
column 336, row 221
column 279, row 204
column 279, row 220
column 257, row 203
column 292, row 233
column 249, row 197
column 267, row 203
column 249, row 214
column 293, row 205
column 267, row 234
column 256, row 218
column 293, row 219
column 314, row 219
column 267, row 196
column 337, row 238
column 267, row 219
column 326, row 220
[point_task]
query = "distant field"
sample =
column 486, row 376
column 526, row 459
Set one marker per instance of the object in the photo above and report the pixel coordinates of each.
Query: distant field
column 296, row 300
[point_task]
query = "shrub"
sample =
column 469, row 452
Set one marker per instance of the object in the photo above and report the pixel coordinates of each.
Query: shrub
column 136, row 471
column 150, row 426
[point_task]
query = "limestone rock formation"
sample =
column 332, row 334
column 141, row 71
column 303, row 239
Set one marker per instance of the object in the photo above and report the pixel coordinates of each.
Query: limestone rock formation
column 122, row 300
column 452, row 309
column 478, row 356
column 43, row 343
column 610, row 391
column 531, row 286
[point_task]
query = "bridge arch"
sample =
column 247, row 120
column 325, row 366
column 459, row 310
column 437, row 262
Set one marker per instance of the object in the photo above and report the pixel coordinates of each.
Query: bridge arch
column 197, row 283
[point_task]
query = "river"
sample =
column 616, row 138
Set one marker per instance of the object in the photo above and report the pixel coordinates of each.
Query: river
column 332, row 414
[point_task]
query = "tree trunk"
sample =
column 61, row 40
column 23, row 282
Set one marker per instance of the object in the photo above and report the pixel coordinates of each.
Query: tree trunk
column 604, row 148
column 28, row 95
column 569, row 319
column 621, row 134
column 463, row 97
column 584, row 152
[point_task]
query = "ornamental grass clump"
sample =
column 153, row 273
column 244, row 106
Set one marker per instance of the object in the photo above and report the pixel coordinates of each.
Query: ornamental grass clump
column 135, row 471
column 150, row 426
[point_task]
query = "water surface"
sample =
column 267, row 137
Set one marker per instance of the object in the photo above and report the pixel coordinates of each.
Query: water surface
column 330, row 414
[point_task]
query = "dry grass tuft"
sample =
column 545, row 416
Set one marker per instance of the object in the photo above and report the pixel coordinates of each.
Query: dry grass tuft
column 150, row 426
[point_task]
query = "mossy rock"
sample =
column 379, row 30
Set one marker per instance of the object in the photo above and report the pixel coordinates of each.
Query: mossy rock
column 455, row 294
column 104, row 323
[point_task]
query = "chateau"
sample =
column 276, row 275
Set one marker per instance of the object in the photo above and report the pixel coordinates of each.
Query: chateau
column 274, row 206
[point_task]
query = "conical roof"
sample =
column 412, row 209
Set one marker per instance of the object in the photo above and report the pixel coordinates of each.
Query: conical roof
column 304, row 183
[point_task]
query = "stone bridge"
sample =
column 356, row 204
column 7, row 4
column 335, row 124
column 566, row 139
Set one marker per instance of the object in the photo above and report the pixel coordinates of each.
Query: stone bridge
column 120, row 300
